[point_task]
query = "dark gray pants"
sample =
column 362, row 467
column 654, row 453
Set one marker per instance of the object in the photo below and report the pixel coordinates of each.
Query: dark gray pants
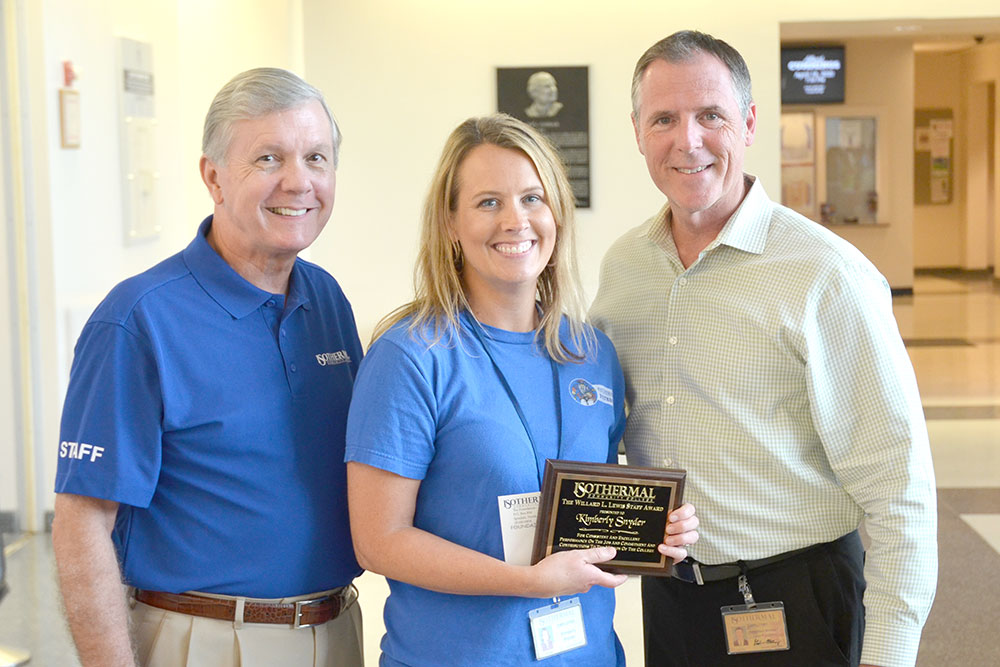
column 821, row 588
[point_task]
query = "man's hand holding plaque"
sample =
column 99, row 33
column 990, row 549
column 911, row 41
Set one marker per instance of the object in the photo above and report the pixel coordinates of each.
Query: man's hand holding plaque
column 586, row 505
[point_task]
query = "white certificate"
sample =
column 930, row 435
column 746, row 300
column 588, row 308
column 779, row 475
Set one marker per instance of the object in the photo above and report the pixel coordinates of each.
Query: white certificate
column 518, row 516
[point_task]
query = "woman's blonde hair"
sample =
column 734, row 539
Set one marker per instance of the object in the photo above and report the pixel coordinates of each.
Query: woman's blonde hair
column 439, row 298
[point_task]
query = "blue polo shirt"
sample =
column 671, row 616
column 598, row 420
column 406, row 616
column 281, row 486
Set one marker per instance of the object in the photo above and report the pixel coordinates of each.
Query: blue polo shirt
column 214, row 412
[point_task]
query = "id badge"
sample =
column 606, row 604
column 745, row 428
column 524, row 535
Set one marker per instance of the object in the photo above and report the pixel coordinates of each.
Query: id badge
column 755, row 629
column 557, row 628
column 518, row 516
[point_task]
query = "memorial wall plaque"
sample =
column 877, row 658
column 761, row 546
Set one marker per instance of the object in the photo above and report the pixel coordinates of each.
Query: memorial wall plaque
column 554, row 100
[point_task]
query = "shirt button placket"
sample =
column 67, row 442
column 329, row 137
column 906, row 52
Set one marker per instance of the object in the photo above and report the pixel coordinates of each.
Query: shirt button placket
column 291, row 367
column 670, row 367
column 672, row 339
column 672, row 342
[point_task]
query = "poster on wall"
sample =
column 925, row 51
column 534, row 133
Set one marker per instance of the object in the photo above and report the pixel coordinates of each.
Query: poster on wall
column 555, row 101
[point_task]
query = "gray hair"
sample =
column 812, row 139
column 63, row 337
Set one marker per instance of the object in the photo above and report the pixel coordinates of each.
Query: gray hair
column 254, row 93
column 684, row 46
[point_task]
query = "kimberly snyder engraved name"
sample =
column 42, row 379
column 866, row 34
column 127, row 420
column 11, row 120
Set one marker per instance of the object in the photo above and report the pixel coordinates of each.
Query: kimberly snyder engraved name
column 609, row 520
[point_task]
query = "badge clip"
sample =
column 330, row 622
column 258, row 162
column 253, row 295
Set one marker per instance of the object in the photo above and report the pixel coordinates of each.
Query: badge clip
column 754, row 627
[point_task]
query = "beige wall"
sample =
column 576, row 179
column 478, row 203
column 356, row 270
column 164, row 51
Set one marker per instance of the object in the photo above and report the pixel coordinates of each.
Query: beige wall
column 197, row 46
column 939, row 229
column 977, row 229
column 982, row 65
column 962, row 234
column 9, row 368
column 31, row 270
column 880, row 78
column 401, row 75
column 192, row 58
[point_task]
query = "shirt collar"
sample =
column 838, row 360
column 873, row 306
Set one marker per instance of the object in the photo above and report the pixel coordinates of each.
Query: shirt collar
column 229, row 289
column 745, row 230
column 656, row 228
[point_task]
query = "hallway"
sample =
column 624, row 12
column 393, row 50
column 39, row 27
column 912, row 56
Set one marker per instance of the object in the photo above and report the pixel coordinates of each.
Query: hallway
column 951, row 326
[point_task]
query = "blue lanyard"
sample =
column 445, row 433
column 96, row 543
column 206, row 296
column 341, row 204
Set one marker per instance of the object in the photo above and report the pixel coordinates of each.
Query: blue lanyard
column 476, row 329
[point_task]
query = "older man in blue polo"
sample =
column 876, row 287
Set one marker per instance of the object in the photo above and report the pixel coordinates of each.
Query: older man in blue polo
column 202, row 438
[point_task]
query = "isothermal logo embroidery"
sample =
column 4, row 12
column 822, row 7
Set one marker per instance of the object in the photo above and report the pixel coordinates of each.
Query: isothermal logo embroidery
column 80, row 450
column 333, row 358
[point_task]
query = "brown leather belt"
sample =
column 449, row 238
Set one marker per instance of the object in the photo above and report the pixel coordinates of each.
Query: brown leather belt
column 301, row 614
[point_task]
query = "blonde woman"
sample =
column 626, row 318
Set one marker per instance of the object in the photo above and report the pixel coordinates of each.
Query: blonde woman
column 462, row 397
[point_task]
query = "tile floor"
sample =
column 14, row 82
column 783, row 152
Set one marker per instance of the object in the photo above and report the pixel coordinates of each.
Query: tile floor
column 952, row 328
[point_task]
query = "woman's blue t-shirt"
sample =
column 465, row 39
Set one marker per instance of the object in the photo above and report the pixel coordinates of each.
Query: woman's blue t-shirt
column 440, row 414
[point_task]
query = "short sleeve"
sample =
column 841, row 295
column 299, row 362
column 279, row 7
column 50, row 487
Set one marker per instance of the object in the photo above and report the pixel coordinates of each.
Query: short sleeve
column 111, row 430
column 618, row 387
column 393, row 418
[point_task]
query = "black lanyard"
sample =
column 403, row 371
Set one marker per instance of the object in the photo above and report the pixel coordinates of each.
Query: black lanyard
column 476, row 329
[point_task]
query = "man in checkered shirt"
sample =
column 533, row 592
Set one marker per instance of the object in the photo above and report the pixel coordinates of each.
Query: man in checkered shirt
column 761, row 355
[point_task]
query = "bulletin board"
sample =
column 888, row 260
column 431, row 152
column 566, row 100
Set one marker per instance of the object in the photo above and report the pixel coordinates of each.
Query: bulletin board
column 933, row 156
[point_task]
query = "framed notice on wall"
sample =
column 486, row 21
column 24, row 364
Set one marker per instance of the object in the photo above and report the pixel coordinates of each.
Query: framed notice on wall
column 69, row 118
column 798, row 162
column 138, row 129
column 555, row 101
column 933, row 144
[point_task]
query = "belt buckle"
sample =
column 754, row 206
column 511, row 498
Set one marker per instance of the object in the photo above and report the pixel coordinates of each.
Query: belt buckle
column 689, row 571
column 297, row 621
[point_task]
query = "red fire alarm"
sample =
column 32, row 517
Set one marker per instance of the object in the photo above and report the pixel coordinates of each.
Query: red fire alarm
column 69, row 75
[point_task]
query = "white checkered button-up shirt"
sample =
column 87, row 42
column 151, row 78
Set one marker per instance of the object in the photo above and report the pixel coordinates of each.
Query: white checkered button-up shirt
column 772, row 370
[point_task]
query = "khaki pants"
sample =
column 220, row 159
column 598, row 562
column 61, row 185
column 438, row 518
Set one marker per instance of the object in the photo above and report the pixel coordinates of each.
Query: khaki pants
column 171, row 639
